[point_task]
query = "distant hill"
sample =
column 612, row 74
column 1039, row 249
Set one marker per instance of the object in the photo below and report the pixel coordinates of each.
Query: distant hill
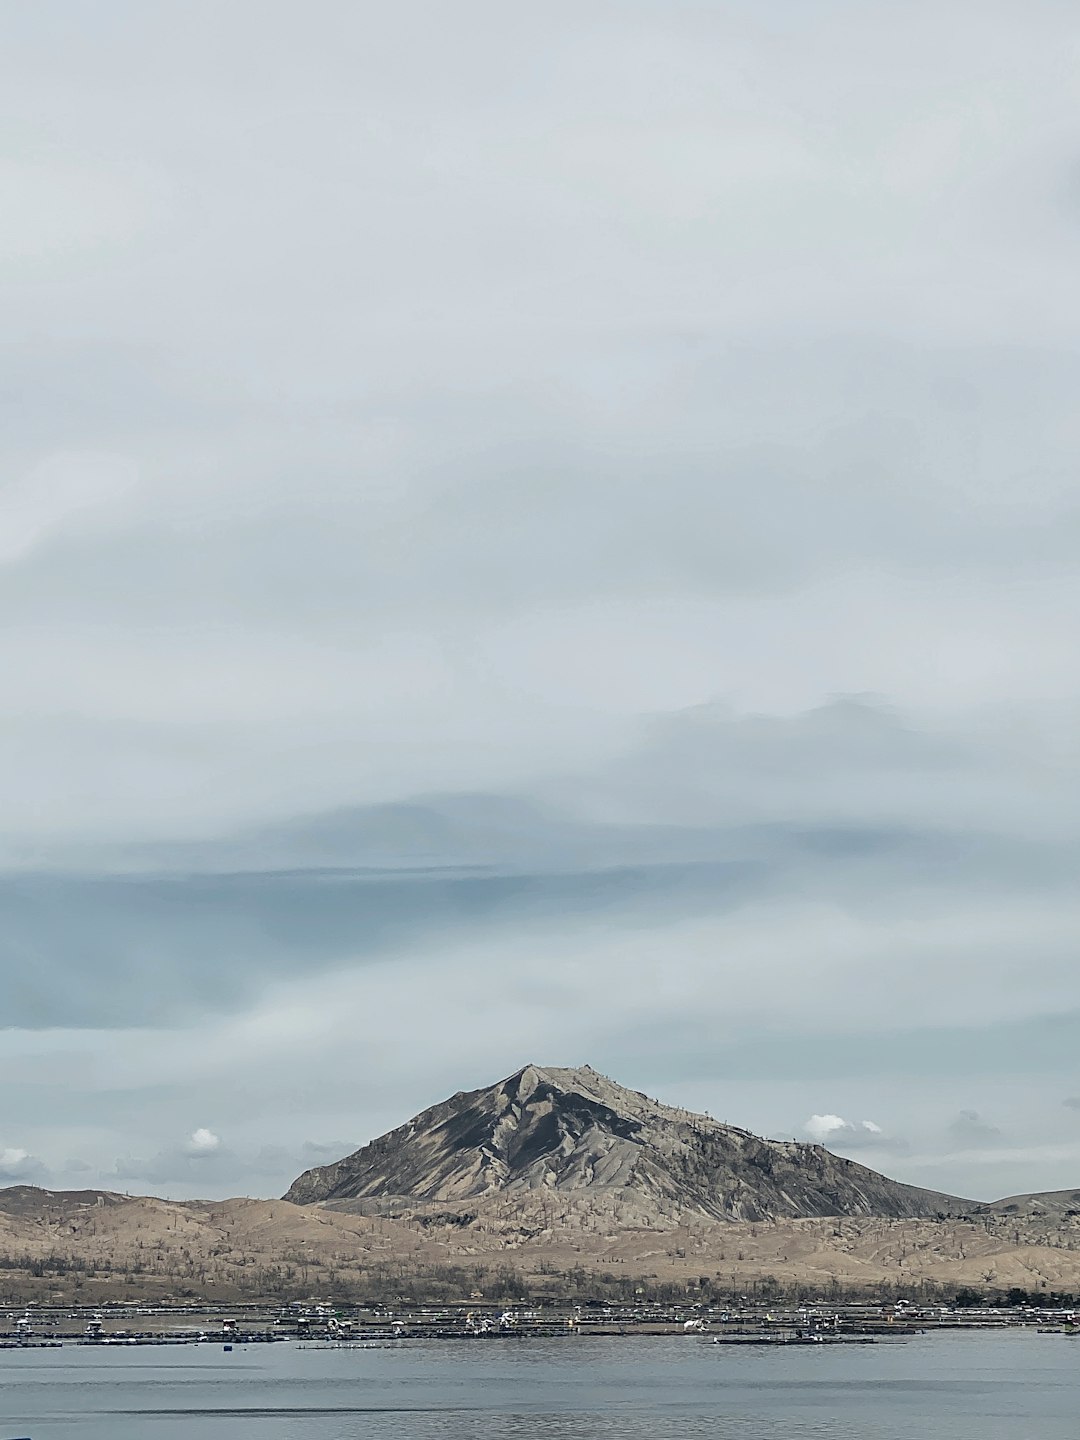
column 95, row 1247
column 30, row 1201
column 575, row 1132
column 556, row 1183
column 1046, row 1202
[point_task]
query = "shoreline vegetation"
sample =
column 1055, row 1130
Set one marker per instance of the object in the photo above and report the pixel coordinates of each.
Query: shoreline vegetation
column 77, row 1250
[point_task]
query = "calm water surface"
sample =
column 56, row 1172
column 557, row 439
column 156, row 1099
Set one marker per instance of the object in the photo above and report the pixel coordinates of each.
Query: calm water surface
column 1013, row 1386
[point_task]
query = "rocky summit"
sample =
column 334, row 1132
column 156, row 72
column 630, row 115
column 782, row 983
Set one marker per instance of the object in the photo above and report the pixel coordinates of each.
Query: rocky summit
column 575, row 1132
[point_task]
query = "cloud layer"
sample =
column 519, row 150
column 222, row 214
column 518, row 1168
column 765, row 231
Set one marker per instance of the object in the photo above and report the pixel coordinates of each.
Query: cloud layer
column 538, row 535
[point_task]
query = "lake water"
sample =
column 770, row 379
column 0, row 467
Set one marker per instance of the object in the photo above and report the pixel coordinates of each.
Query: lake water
column 1005, row 1386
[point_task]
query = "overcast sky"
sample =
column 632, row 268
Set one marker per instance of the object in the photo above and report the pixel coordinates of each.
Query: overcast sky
column 538, row 533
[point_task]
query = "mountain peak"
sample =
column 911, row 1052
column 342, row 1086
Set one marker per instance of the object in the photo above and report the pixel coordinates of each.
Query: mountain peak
column 570, row 1079
column 575, row 1130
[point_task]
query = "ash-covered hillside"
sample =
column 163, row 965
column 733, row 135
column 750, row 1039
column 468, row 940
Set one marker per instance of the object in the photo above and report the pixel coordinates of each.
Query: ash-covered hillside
column 574, row 1130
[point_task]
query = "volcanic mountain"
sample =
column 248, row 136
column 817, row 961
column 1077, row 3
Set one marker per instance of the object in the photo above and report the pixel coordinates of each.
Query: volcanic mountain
column 577, row 1132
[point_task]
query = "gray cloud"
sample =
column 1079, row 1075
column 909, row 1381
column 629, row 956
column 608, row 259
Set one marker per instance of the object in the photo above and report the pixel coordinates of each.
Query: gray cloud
column 182, row 1164
column 191, row 1171
column 19, row 1167
column 598, row 439
column 558, row 536
column 969, row 1128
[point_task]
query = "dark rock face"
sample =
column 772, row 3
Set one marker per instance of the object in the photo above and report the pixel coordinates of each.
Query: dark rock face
column 577, row 1131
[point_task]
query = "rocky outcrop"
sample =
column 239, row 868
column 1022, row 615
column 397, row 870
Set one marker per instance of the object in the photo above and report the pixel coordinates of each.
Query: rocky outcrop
column 575, row 1131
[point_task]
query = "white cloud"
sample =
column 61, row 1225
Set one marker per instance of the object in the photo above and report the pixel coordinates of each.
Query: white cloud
column 835, row 1131
column 823, row 1127
column 203, row 1142
column 17, row 1164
